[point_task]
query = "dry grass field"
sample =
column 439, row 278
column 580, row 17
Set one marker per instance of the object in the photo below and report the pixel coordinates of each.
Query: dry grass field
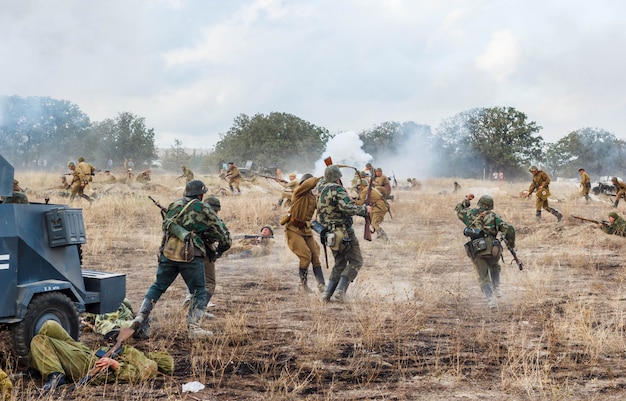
column 415, row 325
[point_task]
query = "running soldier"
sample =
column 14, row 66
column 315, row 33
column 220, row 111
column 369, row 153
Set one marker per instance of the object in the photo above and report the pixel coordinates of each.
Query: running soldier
column 540, row 183
column 620, row 187
column 233, row 176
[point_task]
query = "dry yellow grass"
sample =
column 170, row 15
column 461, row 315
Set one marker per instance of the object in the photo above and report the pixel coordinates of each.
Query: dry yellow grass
column 415, row 325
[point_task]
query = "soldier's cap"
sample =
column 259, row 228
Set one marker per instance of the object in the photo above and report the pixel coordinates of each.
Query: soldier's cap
column 368, row 165
column 107, row 171
column 305, row 177
column 71, row 164
column 231, row 163
column 81, row 159
column 533, row 168
column 581, row 169
column 614, row 179
column 379, row 170
column 214, row 202
column 292, row 175
column 614, row 215
column 269, row 228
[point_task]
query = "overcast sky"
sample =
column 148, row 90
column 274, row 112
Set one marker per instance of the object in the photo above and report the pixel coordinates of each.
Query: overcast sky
column 191, row 66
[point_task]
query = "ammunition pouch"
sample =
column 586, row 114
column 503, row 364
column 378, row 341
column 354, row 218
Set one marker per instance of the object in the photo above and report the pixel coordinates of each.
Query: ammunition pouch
column 178, row 251
column 484, row 247
column 473, row 233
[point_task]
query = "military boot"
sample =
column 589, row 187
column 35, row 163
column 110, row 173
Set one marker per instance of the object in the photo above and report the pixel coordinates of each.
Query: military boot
column 487, row 289
column 195, row 331
column 556, row 214
column 328, row 292
column 616, row 203
column 280, row 202
column 231, row 188
column 141, row 322
column 342, row 287
column 55, row 380
column 319, row 277
column 304, row 279
column 495, row 281
column 382, row 234
column 538, row 215
column 90, row 200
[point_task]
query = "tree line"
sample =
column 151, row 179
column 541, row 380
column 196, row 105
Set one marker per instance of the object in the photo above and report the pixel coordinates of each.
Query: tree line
column 40, row 131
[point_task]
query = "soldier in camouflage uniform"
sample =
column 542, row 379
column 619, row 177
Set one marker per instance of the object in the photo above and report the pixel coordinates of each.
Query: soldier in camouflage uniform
column 616, row 226
column 335, row 210
column 620, row 187
column 482, row 226
column 187, row 173
column 57, row 356
column 196, row 217
column 541, row 182
column 379, row 204
column 299, row 235
column 78, row 183
column 585, row 183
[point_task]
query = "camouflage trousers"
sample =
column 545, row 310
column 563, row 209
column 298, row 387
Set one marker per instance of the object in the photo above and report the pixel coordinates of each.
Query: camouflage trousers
column 488, row 270
column 348, row 259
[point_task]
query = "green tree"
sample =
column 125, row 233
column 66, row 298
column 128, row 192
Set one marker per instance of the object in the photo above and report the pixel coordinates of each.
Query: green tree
column 278, row 139
column 392, row 138
column 125, row 137
column 597, row 151
column 175, row 157
column 452, row 144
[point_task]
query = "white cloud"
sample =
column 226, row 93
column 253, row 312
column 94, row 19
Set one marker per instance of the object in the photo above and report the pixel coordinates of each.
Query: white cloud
column 501, row 56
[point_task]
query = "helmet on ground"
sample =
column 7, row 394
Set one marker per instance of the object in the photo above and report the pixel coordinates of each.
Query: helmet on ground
column 71, row 164
column 269, row 228
column 485, row 202
column 332, row 173
column 533, row 168
column 214, row 202
column 305, row 177
column 195, row 187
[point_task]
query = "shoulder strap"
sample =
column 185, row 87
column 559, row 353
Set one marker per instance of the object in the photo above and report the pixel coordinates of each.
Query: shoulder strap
column 184, row 208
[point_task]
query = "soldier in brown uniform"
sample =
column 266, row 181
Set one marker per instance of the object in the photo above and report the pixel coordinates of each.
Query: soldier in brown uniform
column 253, row 246
column 78, row 182
column 299, row 235
column 620, row 187
column 585, row 183
column 144, row 176
column 187, row 173
column 18, row 195
column 288, row 188
column 88, row 169
column 381, row 182
column 379, row 204
column 541, row 182
column 233, row 176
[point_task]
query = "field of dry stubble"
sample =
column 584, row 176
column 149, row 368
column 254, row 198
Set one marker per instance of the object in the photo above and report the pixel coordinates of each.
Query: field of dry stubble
column 415, row 325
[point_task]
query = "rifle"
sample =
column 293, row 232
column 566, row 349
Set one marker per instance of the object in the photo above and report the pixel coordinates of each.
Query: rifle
column 124, row 334
column 395, row 182
column 182, row 176
column 273, row 178
column 163, row 209
column 249, row 236
column 603, row 222
column 513, row 253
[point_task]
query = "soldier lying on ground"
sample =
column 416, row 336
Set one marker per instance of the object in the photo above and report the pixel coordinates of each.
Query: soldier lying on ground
column 252, row 246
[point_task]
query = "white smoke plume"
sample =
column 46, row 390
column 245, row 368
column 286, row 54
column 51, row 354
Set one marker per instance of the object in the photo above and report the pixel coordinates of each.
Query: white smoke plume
column 344, row 148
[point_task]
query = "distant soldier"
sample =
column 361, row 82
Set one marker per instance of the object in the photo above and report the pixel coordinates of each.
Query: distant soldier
column 108, row 177
column 620, row 187
column 77, row 183
column 457, row 187
column 288, row 188
column 88, row 169
column 381, row 182
column 144, row 176
column 379, row 204
column 233, row 176
column 187, row 174
column 129, row 175
column 540, row 183
column 18, row 195
column 616, row 226
column 585, row 183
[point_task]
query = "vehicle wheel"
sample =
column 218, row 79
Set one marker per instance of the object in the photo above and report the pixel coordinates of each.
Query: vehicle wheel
column 45, row 306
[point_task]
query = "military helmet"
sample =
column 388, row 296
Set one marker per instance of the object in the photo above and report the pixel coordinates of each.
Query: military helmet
column 614, row 215
column 614, row 179
column 533, row 168
column 269, row 227
column 71, row 164
column 195, row 187
column 305, row 177
column 379, row 170
column 332, row 173
column 485, row 202
column 214, row 202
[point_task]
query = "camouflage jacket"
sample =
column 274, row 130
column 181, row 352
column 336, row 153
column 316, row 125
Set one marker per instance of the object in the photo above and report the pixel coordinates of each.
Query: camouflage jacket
column 335, row 208
column 199, row 218
column 541, row 179
column 618, row 227
column 486, row 220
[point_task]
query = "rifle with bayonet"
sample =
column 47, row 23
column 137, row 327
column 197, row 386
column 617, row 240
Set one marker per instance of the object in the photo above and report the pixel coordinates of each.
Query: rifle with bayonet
column 603, row 222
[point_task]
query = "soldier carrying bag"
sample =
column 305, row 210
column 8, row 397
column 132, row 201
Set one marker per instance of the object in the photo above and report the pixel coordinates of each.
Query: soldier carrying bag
column 178, row 243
